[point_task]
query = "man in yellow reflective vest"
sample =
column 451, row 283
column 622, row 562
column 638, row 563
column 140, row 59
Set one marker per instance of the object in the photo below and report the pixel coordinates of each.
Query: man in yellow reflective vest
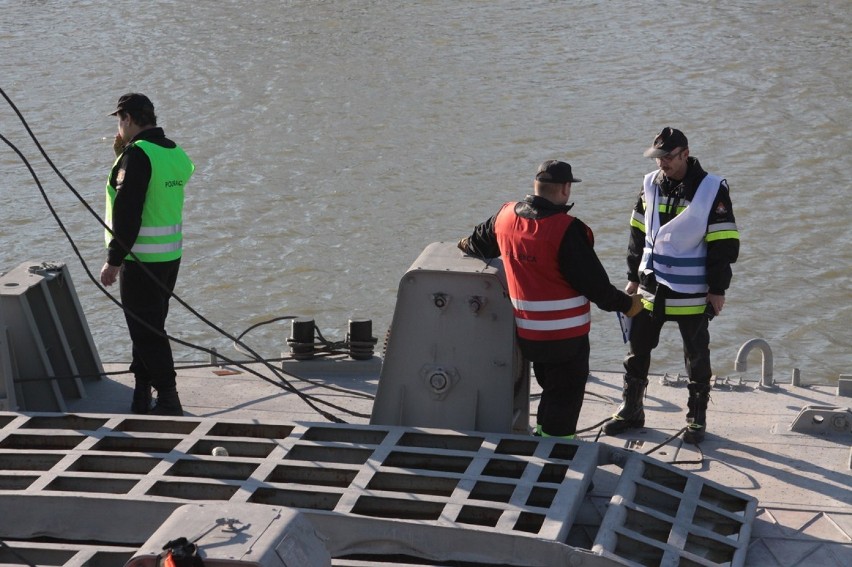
column 144, row 210
column 683, row 240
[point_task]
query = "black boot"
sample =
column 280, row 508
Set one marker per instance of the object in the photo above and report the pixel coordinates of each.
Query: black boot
column 168, row 402
column 631, row 413
column 141, row 403
column 696, row 415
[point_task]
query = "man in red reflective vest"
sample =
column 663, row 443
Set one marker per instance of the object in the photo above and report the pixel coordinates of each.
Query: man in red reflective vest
column 553, row 273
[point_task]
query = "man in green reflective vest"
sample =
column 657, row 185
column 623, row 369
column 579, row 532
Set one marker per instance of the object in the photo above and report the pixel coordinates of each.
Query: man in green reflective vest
column 144, row 210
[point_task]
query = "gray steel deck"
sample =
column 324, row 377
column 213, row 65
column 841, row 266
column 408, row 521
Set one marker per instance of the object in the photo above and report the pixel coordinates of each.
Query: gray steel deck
column 755, row 492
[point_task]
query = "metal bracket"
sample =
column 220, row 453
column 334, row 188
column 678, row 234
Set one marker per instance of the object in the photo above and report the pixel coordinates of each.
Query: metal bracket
column 676, row 382
column 823, row 420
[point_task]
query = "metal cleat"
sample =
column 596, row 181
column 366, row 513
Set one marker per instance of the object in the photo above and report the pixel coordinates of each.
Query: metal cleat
column 822, row 420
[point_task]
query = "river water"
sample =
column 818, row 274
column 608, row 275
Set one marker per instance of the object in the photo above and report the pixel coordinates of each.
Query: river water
column 335, row 139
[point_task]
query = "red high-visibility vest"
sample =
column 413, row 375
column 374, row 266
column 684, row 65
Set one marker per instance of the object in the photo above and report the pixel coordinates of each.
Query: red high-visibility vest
column 546, row 307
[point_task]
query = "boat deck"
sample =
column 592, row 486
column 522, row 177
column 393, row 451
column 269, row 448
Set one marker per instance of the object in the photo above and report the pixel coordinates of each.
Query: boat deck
column 798, row 474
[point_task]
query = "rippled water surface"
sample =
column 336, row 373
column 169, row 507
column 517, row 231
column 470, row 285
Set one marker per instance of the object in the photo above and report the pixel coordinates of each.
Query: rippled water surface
column 335, row 139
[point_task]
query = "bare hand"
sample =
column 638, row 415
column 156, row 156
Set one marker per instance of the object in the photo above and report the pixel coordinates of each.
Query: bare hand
column 717, row 301
column 631, row 288
column 109, row 274
column 118, row 145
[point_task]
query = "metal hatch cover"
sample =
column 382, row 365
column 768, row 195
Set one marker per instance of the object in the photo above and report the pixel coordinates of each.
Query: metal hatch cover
column 511, row 499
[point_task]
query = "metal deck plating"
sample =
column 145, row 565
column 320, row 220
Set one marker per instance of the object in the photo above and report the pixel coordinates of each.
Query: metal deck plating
column 756, row 492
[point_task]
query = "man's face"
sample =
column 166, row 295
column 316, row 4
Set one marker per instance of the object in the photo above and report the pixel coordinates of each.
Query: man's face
column 124, row 127
column 673, row 163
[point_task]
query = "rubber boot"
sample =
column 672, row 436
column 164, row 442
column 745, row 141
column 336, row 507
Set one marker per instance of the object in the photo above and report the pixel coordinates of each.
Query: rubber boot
column 141, row 403
column 168, row 402
column 696, row 415
column 631, row 412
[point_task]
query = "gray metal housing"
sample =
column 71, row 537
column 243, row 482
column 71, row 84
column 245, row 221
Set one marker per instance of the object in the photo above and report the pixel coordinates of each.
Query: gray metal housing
column 452, row 359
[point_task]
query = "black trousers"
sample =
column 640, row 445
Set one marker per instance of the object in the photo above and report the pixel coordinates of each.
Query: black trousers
column 562, row 374
column 645, row 336
column 147, row 297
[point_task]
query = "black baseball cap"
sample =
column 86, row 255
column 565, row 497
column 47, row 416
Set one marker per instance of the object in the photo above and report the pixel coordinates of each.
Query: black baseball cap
column 667, row 140
column 555, row 171
column 132, row 102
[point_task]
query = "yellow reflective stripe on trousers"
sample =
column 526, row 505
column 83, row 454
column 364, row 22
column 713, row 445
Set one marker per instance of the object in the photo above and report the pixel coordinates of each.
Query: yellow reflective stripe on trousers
column 680, row 306
column 693, row 310
column 541, row 433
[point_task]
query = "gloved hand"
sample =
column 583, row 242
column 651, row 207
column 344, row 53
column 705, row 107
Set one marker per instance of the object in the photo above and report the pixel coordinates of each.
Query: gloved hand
column 636, row 307
column 463, row 244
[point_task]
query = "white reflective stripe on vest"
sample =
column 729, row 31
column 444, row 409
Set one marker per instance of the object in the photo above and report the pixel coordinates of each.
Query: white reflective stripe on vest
column 155, row 248
column 552, row 305
column 160, row 230
column 553, row 324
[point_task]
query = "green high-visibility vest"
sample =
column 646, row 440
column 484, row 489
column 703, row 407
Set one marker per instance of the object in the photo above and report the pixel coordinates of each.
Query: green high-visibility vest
column 161, row 234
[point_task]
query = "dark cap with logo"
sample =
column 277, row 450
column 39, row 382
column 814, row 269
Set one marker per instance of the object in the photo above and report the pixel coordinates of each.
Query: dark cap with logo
column 131, row 102
column 555, row 171
column 667, row 140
